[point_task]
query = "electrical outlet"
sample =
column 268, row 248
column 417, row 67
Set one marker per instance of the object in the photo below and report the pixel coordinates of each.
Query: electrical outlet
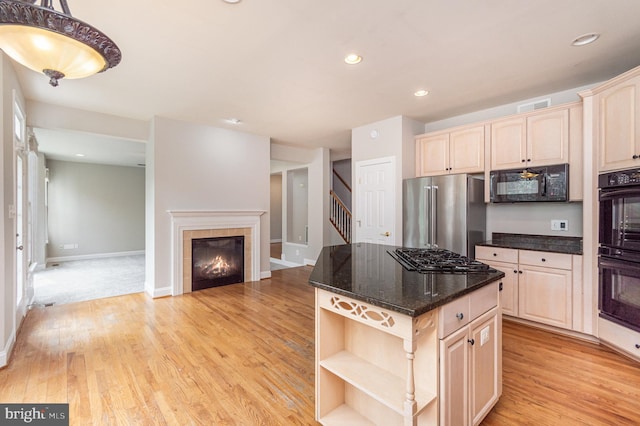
column 560, row 225
column 484, row 335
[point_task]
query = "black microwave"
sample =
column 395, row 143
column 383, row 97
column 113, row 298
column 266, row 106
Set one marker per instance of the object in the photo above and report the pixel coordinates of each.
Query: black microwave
column 545, row 183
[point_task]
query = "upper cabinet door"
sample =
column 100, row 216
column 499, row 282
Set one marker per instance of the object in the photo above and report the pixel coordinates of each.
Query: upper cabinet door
column 548, row 138
column 619, row 126
column 432, row 155
column 466, row 150
column 508, row 143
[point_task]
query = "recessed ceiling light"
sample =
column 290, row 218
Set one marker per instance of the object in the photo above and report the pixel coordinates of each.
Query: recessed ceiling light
column 421, row 93
column 231, row 1
column 233, row 120
column 79, row 155
column 585, row 39
column 353, row 59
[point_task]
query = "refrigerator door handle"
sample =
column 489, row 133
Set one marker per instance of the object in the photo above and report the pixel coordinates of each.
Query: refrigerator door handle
column 427, row 209
column 434, row 216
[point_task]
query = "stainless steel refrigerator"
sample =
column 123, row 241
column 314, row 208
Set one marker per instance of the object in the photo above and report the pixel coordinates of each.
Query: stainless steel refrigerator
column 444, row 212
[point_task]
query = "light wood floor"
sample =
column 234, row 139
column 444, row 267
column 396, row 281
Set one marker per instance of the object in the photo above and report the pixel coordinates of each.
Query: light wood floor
column 243, row 354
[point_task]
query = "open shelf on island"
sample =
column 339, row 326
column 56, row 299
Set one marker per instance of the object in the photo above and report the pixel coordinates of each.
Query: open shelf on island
column 374, row 381
column 345, row 415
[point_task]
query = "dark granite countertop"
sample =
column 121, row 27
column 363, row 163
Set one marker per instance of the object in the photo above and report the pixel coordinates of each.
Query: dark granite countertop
column 368, row 273
column 548, row 243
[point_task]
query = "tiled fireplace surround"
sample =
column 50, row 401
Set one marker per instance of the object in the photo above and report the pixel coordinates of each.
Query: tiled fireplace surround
column 187, row 225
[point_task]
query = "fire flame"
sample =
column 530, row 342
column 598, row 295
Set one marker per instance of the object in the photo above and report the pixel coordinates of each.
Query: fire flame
column 216, row 267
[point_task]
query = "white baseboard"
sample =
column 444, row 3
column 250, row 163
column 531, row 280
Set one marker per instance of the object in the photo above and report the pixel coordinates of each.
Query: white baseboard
column 276, row 240
column 311, row 262
column 157, row 292
column 265, row 275
column 94, row 256
column 284, row 262
column 5, row 354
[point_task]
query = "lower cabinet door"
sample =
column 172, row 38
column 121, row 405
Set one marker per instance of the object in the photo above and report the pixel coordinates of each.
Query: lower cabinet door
column 509, row 293
column 484, row 360
column 454, row 378
column 545, row 296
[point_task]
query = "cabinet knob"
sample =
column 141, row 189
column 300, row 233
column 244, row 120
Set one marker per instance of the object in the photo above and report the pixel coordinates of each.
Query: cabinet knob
column 495, row 254
column 472, row 341
column 637, row 346
column 515, row 271
column 543, row 259
column 519, row 272
column 460, row 315
column 500, row 287
column 528, row 159
column 524, row 161
column 635, row 157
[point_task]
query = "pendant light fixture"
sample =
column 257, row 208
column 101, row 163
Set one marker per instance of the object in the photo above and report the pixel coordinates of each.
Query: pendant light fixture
column 54, row 43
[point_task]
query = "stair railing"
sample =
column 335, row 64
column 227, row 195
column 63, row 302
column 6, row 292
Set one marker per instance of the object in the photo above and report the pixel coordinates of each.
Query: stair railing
column 340, row 217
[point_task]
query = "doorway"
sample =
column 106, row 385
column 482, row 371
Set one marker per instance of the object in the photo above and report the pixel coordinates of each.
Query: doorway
column 94, row 217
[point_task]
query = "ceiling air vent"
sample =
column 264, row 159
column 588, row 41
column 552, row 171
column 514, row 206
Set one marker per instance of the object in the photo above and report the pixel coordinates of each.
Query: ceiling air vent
column 532, row 106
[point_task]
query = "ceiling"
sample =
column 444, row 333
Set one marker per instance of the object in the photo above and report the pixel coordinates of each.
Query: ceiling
column 277, row 65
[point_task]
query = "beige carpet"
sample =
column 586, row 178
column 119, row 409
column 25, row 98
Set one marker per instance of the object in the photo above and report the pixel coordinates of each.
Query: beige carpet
column 78, row 280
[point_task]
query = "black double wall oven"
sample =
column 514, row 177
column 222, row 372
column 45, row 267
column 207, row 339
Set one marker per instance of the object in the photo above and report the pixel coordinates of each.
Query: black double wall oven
column 619, row 248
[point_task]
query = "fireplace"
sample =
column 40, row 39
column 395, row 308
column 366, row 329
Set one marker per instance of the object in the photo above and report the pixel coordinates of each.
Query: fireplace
column 187, row 225
column 217, row 261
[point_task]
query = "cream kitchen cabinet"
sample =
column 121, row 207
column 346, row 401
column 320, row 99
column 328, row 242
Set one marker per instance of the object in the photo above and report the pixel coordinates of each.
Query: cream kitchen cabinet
column 618, row 123
column 470, row 357
column 545, row 288
column 620, row 337
column 454, row 151
column 538, row 286
column 535, row 139
column 504, row 260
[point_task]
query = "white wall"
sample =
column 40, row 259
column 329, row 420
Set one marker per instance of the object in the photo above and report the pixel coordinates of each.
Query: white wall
column 318, row 167
column 100, row 208
column 197, row 167
column 48, row 116
column 394, row 138
column 533, row 218
column 558, row 98
column 297, row 206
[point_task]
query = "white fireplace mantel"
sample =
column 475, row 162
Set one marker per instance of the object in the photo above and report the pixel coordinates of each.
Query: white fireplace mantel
column 194, row 220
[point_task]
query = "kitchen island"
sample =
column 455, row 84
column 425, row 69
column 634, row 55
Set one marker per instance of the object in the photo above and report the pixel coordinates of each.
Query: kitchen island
column 396, row 347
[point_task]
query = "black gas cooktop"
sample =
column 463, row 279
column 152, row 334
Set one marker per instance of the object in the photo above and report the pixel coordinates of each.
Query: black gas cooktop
column 435, row 260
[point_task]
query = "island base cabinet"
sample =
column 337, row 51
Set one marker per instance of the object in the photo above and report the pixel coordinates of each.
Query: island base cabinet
column 470, row 371
column 374, row 366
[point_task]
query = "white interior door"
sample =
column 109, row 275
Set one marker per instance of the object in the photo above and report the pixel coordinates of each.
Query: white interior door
column 376, row 199
column 19, row 142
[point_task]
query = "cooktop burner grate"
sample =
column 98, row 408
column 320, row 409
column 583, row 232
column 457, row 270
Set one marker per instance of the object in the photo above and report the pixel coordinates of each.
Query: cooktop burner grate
column 436, row 260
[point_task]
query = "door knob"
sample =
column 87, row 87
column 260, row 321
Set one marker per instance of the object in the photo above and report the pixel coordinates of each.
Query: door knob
column 386, row 234
column 20, row 247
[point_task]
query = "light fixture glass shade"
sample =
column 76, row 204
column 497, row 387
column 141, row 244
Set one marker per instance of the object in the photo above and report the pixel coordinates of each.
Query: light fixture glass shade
column 54, row 43
column 40, row 50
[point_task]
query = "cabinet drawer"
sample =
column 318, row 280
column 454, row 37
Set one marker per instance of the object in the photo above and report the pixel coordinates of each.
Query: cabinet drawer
column 545, row 259
column 480, row 301
column 620, row 337
column 497, row 254
column 453, row 315
column 462, row 311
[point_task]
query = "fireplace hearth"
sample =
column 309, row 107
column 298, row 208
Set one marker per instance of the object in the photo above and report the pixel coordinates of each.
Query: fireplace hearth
column 217, row 261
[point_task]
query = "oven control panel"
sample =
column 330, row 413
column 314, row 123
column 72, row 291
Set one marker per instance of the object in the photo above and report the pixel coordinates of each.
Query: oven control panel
column 621, row 178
